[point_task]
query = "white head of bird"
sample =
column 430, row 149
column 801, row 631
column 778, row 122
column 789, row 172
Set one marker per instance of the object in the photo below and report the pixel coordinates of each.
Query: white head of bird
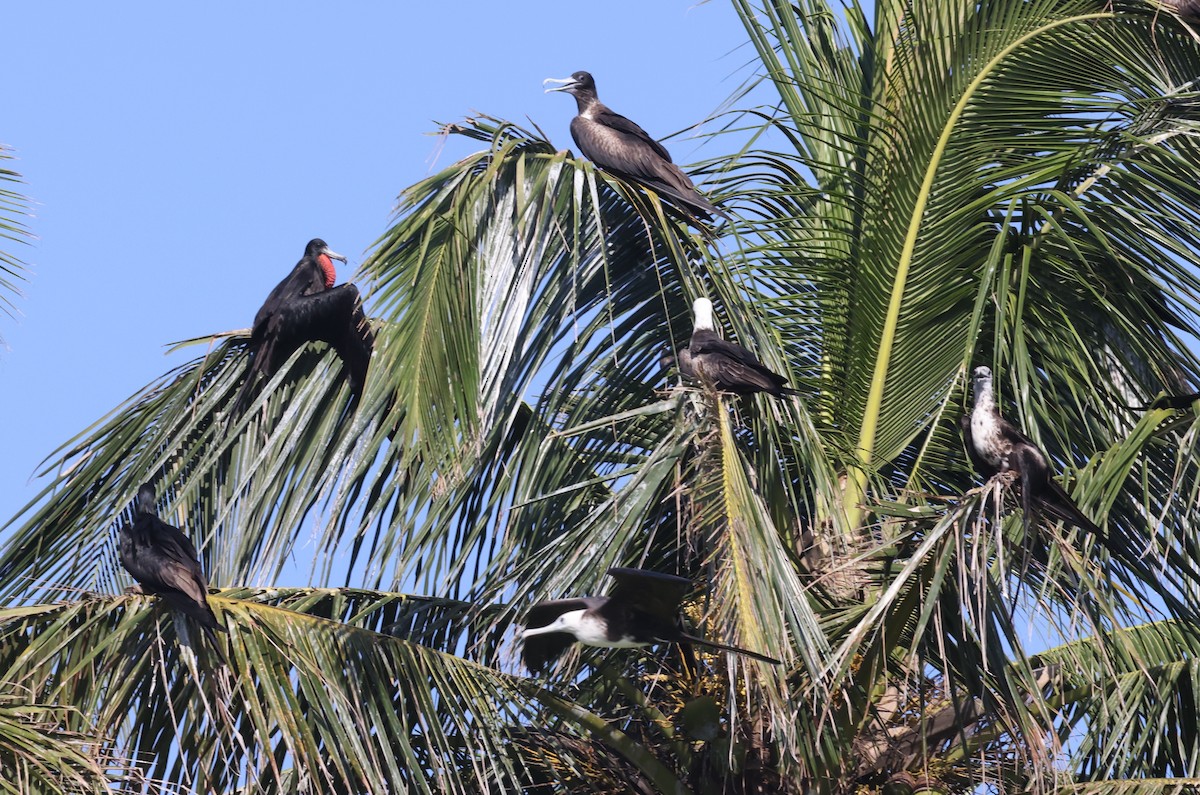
column 702, row 309
column 570, row 621
column 982, row 378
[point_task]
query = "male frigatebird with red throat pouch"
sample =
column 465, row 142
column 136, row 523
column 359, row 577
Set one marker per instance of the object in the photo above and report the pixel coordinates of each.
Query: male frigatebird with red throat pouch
column 642, row 609
column 164, row 562
column 621, row 147
column 306, row 307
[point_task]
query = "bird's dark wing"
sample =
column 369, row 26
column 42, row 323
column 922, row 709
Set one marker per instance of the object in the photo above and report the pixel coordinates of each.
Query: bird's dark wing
column 734, row 376
column 340, row 321
column 704, row 341
column 305, row 279
column 179, row 548
column 687, row 368
column 652, row 592
column 638, row 157
column 1055, row 501
column 730, row 366
column 334, row 316
column 984, row 469
column 1015, row 435
column 538, row 650
column 630, row 131
column 164, row 562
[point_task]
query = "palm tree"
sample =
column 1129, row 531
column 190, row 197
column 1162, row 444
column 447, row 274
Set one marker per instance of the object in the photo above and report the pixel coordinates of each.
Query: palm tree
column 13, row 206
column 938, row 186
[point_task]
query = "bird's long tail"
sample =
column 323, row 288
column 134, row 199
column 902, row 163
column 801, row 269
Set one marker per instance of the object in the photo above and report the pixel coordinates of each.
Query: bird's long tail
column 257, row 360
column 1058, row 504
column 202, row 613
column 714, row 645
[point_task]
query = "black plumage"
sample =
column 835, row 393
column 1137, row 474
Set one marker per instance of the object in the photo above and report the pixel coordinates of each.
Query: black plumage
column 996, row 446
column 726, row 365
column 642, row 609
column 1169, row 402
column 164, row 562
column 621, row 147
column 306, row 307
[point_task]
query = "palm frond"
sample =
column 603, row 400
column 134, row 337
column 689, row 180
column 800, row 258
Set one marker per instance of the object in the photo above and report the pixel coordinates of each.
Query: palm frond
column 13, row 208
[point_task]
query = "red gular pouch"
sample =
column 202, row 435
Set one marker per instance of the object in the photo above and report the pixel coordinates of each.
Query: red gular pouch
column 327, row 268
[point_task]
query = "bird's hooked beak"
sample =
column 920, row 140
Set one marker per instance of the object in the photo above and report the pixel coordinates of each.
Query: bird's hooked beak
column 333, row 254
column 569, row 83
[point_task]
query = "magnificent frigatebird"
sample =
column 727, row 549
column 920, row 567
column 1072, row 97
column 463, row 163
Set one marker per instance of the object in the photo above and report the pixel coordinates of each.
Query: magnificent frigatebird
column 726, row 365
column 621, row 147
column 642, row 609
column 306, row 307
column 164, row 562
column 995, row 446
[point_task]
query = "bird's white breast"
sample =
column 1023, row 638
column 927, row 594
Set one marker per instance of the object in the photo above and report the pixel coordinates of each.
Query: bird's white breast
column 594, row 632
column 989, row 442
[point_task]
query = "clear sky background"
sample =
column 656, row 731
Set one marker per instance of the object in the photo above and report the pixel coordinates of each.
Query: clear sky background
column 179, row 157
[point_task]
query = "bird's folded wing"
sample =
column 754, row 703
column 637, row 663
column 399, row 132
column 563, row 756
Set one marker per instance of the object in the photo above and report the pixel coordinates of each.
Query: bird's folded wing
column 730, row 350
column 631, row 129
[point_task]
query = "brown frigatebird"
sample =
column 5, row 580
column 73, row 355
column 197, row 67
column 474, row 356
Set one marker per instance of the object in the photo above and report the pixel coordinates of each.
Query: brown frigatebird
column 995, row 446
column 726, row 365
column 164, row 562
column 621, row 147
column 306, row 307
column 642, row 609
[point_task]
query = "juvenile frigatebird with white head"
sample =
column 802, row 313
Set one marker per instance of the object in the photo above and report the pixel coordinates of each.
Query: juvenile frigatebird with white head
column 642, row 609
column 726, row 365
column 306, row 307
column 164, row 562
column 621, row 147
column 995, row 446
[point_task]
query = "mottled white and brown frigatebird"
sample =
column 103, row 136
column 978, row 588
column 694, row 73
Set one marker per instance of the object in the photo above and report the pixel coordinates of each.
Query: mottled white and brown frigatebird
column 995, row 446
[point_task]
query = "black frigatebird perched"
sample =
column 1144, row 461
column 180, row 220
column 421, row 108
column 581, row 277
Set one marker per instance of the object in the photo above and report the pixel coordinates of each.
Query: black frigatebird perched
column 306, row 307
column 642, row 609
column 726, row 365
column 995, row 446
column 164, row 562
column 621, row 147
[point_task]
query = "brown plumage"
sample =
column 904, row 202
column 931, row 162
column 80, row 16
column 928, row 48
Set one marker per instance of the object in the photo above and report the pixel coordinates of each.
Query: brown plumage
column 621, row 147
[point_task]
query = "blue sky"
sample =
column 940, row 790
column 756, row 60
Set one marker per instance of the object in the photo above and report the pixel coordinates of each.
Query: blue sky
column 181, row 155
